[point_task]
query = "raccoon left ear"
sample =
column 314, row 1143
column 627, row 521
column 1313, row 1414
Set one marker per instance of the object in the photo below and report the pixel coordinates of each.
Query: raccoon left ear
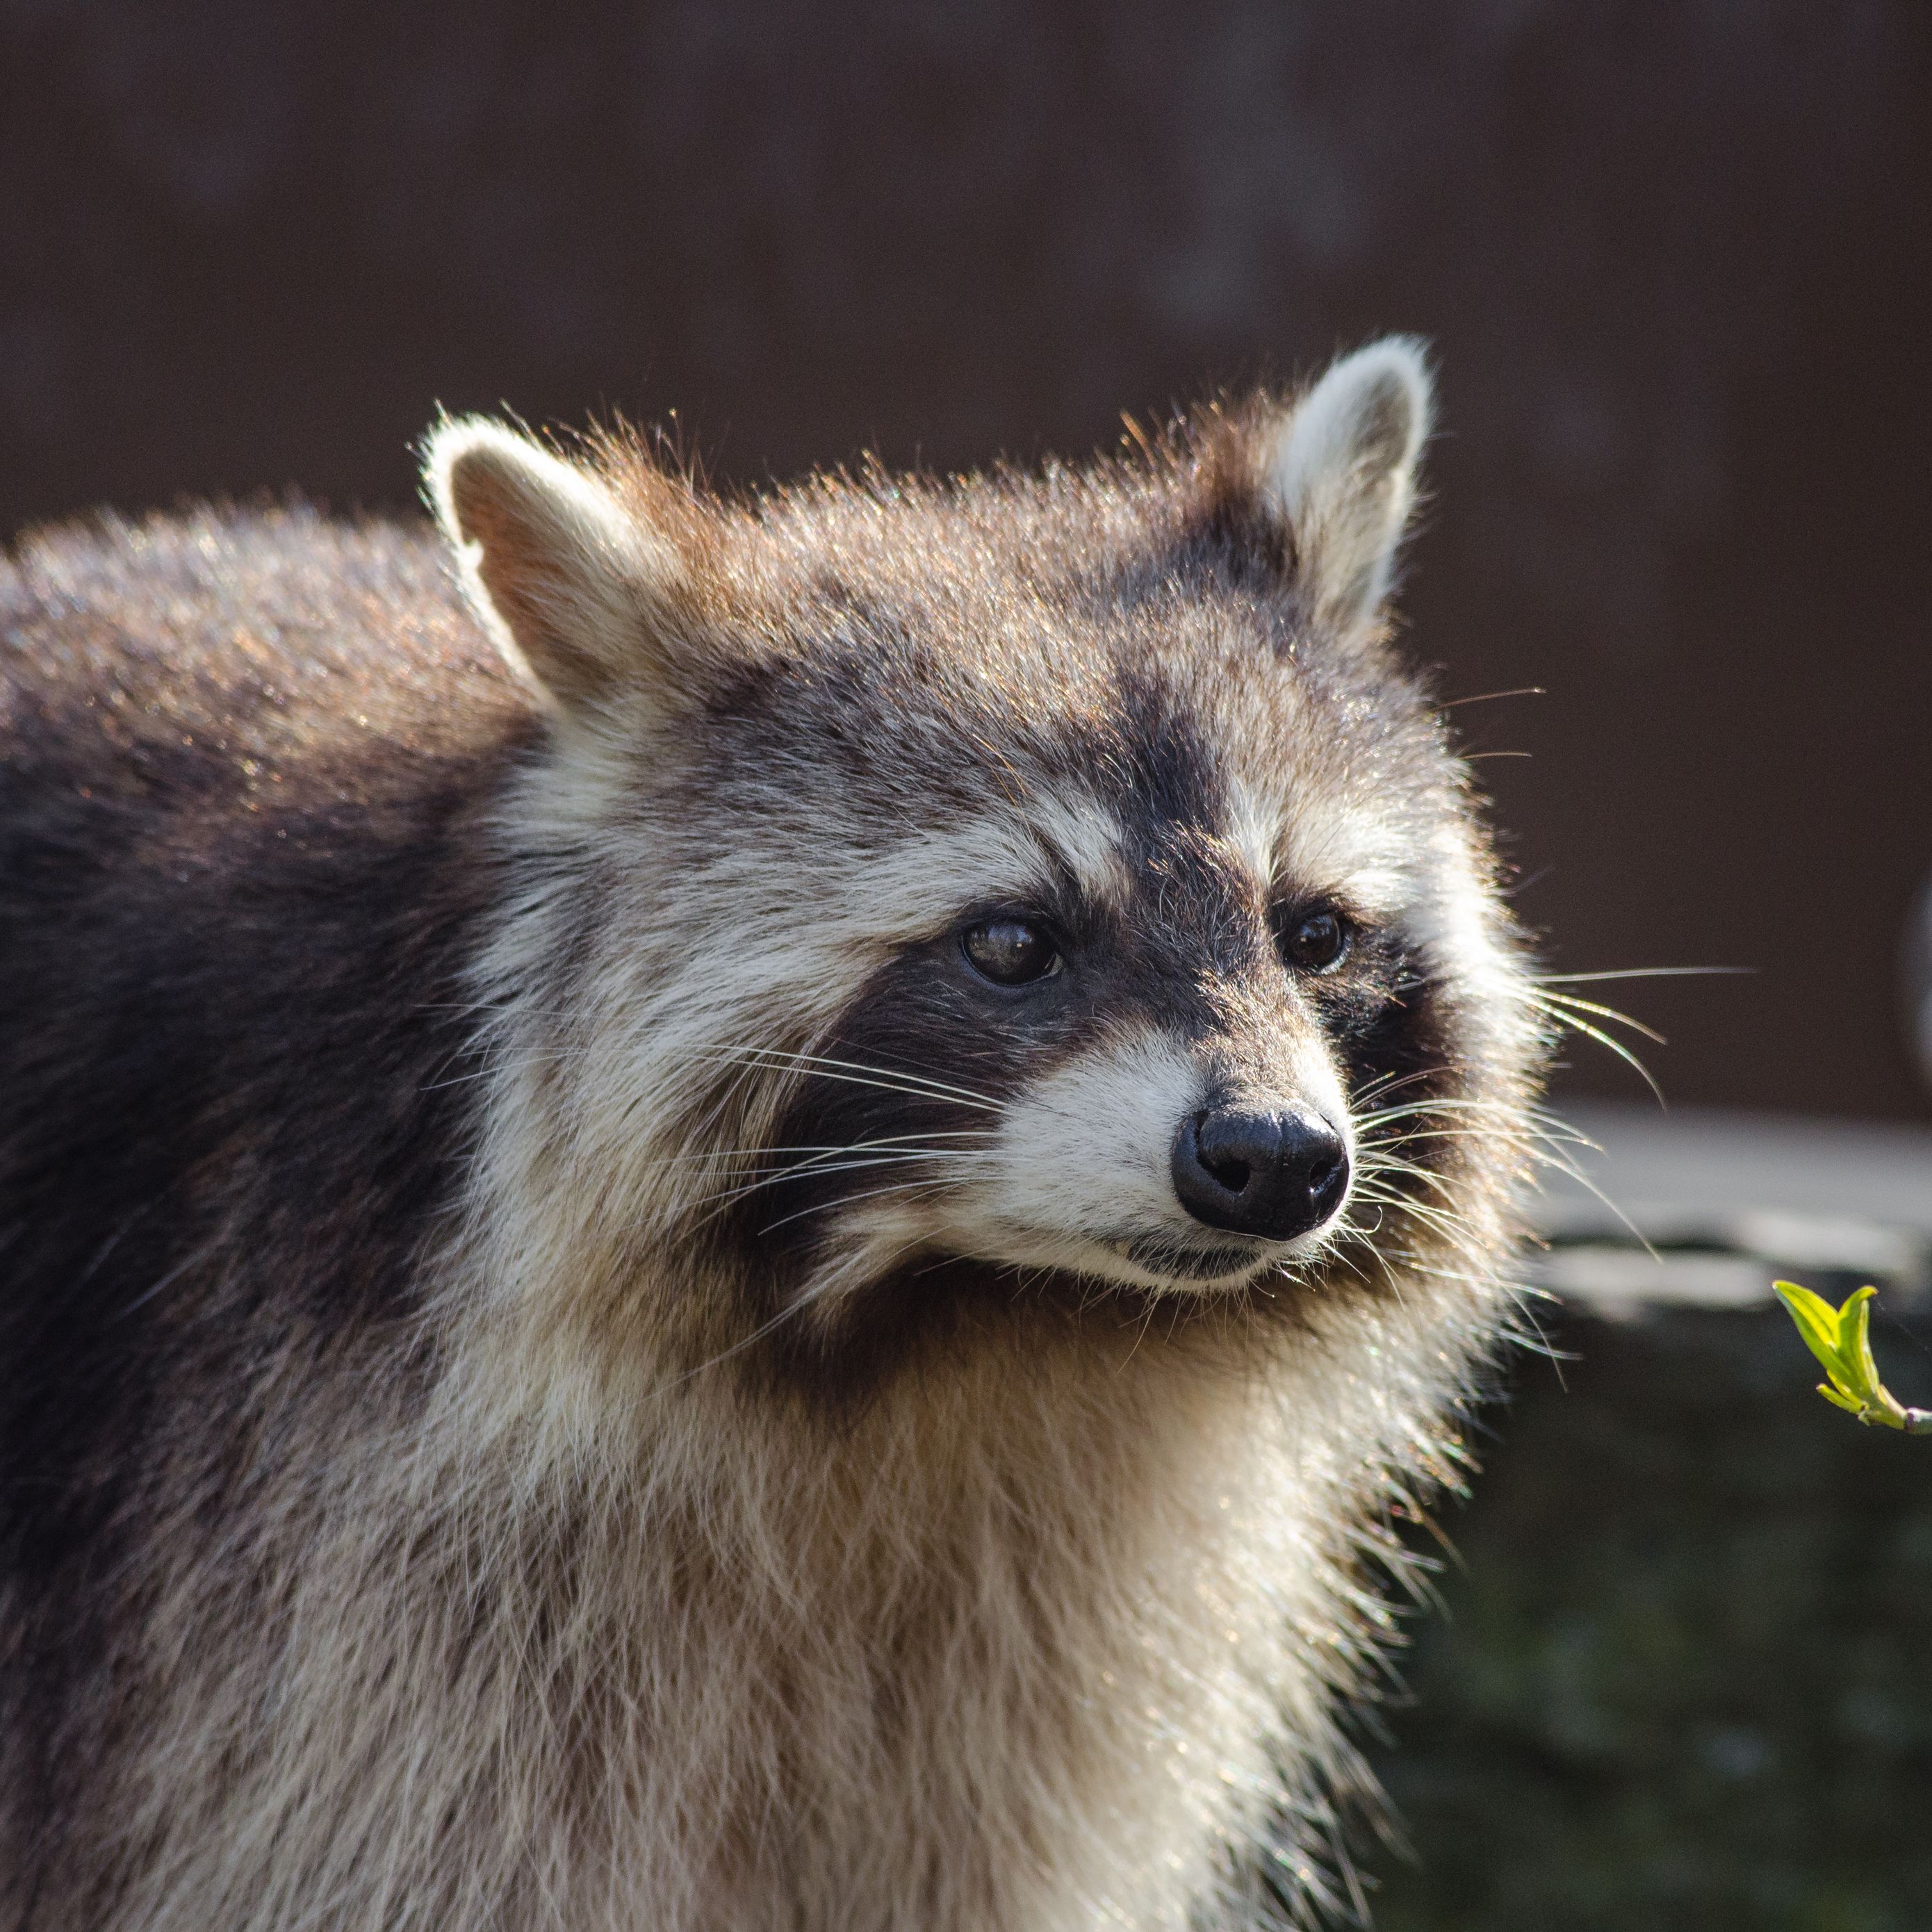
column 1340, row 473
column 580, row 592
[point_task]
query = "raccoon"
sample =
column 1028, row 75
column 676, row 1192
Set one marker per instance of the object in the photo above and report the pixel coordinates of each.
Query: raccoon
column 727, row 1214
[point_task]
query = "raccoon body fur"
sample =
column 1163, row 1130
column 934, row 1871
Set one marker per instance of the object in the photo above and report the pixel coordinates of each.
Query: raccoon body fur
column 734, row 1218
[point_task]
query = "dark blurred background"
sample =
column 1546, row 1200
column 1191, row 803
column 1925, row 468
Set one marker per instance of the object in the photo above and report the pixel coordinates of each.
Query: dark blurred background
column 1674, row 258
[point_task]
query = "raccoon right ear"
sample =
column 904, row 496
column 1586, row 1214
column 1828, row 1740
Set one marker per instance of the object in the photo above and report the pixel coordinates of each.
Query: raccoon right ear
column 578, row 593
column 1339, row 473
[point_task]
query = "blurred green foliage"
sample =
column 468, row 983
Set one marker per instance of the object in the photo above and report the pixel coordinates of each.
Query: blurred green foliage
column 1684, row 1676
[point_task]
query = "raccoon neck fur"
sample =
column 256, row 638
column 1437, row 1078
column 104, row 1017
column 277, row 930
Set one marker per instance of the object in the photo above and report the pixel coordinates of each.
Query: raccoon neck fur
column 988, row 1650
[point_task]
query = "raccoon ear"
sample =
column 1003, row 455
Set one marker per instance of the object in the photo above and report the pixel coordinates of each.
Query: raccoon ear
column 578, row 593
column 1340, row 473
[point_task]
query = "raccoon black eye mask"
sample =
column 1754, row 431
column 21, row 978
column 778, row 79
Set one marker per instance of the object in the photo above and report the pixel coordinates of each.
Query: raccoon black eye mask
column 725, row 1214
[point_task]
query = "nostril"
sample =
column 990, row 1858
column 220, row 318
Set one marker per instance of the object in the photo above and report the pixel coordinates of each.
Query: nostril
column 1234, row 1175
column 1231, row 1167
column 1327, row 1182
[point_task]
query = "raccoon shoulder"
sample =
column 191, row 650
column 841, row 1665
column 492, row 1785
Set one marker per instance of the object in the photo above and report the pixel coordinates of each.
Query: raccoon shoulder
column 246, row 761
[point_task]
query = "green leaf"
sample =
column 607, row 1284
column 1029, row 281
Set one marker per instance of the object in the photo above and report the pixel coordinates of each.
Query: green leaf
column 1841, row 1338
column 1817, row 1322
column 1854, row 1341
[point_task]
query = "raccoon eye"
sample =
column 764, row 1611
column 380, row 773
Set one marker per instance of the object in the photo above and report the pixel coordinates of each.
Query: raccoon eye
column 1313, row 943
column 1010, row 951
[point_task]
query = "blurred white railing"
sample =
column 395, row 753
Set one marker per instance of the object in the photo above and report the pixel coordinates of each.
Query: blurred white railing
column 1728, row 1202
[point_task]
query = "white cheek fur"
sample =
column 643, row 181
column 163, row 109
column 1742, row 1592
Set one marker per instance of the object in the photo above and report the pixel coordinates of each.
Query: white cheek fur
column 1084, row 1154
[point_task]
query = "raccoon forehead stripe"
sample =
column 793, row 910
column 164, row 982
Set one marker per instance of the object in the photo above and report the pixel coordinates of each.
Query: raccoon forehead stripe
column 1254, row 830
column 871, row 887
column 1086, row 838
column 907, row 884
column 1324, row 846
column 932, row 876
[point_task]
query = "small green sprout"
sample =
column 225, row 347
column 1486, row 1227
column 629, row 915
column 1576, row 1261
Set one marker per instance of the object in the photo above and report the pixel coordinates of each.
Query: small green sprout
column 1841, row 1339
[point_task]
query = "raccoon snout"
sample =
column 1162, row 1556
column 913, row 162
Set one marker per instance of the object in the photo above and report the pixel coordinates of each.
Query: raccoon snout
column 1273, row 1174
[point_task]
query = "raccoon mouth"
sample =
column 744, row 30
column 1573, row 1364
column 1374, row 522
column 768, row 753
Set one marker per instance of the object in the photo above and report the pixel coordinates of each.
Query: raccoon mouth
column 1225, row 1262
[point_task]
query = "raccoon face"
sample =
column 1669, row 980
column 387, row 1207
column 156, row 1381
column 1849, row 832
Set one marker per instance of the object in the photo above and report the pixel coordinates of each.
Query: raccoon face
column 1053, row 873
column 1141, row 1087
column 1115, row 1044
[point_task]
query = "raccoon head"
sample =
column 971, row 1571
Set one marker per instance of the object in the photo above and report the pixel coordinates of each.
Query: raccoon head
column 1052, row 872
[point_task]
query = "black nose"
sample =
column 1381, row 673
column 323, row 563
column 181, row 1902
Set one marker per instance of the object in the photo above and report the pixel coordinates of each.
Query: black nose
column 1275, row 1175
